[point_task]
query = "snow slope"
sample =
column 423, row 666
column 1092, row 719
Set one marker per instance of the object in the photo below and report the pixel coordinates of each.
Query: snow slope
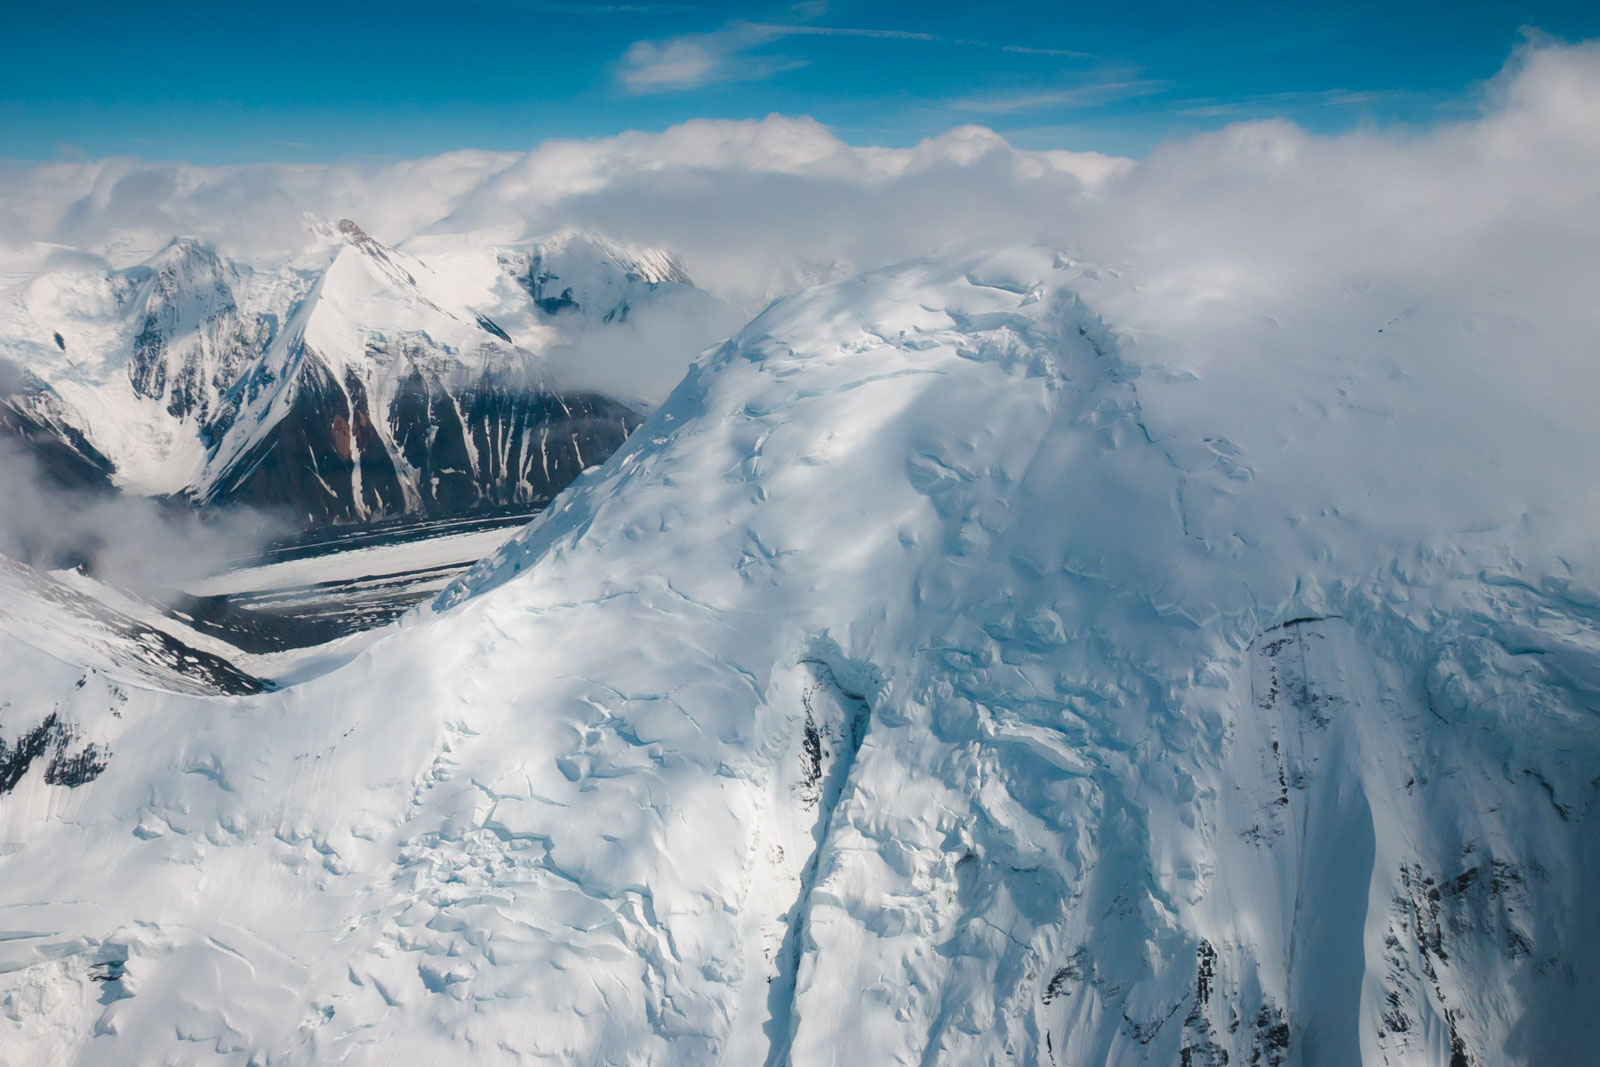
column 972, row 662
column 81, row 625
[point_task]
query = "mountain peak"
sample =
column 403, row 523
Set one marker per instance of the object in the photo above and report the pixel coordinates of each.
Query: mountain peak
column 184, row 254
column 572, row 271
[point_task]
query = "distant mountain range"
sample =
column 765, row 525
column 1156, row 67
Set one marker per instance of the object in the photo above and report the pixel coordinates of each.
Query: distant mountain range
column 349, row 382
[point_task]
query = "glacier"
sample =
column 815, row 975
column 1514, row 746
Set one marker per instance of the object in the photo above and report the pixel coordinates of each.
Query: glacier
column 980, row 660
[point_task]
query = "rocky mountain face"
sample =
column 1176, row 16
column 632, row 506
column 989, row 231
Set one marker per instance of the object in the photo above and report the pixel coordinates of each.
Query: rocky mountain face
column 193, row 341
column 352, row 382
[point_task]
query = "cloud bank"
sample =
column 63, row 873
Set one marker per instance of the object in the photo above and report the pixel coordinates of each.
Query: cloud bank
column 133, row 542
column 1502, row 202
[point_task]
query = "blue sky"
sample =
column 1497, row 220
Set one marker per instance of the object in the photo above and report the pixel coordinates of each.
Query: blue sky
column 223, row 83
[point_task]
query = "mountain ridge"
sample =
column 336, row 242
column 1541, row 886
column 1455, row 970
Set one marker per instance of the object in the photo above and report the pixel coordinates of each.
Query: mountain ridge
column 318, row 386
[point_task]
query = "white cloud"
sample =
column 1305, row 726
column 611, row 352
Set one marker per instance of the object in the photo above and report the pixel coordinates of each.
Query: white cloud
column 1501, row 202
column 1302, row 100
column 131, row 541
column 1089, row 94
column 1027, row 50
column 694, row 178
column 679, row 64
column 694, row 60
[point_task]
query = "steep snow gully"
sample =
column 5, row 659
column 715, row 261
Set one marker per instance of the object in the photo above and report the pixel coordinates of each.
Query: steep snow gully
column 967, row 664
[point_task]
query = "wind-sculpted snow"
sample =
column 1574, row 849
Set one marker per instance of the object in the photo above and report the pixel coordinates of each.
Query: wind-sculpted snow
column 971, row 662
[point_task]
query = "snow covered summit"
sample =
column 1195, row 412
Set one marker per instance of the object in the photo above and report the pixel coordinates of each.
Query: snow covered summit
column 967, row 664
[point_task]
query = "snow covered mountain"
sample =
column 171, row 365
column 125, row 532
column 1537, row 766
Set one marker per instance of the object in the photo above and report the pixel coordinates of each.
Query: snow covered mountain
column 347, row 382
column 961, row 667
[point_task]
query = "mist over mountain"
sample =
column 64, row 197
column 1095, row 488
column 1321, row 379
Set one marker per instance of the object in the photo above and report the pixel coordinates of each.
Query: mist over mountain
column 984, row 605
